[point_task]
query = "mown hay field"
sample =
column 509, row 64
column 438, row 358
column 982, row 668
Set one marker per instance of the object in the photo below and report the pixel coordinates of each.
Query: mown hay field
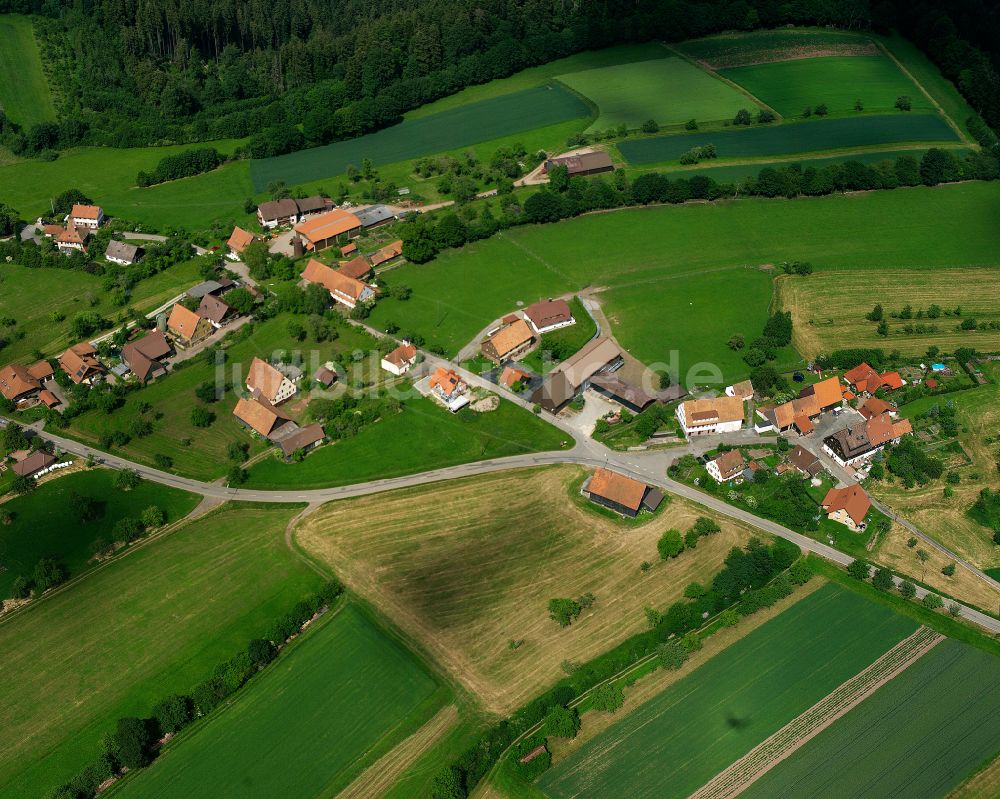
column 456, row 127
column 766, row 46
column 153, row 623
column 24, row 92
column 828, row 312
column 699, row 725
column 813, row 135
column 466, row 567
column 345, row 693
column 667, row 90
column 918, row 735
column 837, row 82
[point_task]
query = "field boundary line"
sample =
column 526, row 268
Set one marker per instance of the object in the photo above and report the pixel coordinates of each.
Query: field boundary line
column 731, row 84
column 780, row 745
column 937, row 106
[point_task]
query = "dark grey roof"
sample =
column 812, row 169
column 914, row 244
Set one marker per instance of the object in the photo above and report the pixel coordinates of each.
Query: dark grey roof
column 308, row 205
column 277, row 209
column 208, row 287
column 373, row 215
column 305, row 437
column 122, row 250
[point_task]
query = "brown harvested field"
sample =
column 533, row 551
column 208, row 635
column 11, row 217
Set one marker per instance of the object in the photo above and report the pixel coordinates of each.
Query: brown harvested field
column 984, row 785
column 829, row 307
column 465, row 567
column 963, row 584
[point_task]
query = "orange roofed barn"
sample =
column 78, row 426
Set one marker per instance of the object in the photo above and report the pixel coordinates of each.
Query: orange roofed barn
column 343, row 289
column 259, row 415
column 621, row 494
column 327, row 229
column 508, row 341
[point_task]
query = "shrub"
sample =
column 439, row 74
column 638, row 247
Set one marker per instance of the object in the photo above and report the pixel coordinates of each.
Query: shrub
column 882, row 579
column 670, row 544
column 127, row 479
column 907, row 589
column 133, row 742
column 173, row 713
column 564, row 611
column 562, row 722
column 859, row 569
column 933, row 602
column 608, row 697
column 201, row 417
column 153, row 516
column 672, row 655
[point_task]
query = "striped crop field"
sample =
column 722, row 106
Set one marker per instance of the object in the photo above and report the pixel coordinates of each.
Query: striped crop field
column 767, row 46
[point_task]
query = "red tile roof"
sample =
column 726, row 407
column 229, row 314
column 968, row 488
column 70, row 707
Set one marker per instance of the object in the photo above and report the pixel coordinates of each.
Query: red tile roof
column 617, row 488
column 329, row 225
column 240, row 239
column 852, row 499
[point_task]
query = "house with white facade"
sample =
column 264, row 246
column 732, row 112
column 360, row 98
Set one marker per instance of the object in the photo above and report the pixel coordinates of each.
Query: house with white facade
column 449, row 387
column 701, row 417
column 727, row 466
column 344, row 289
column 399, row 361
column 86, row 216
column 267, row 382
column 548, row 315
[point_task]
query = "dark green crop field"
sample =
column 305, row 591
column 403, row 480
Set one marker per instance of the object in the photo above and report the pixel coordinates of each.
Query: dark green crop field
column 447, row 130
column 679, row 740
column 917, row 736
column 799, row 137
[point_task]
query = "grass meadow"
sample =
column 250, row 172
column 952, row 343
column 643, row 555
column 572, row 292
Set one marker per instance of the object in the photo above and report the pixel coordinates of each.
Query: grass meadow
column 656, row 262
column 838, row 82
column 457, row 127
column 705, row 721
column 921, row 733
column 24, row 92
column 465, row 567
column 45, row 525
column 668, row 90
column 766, row 46
column 312, row 695
column 152, row 623
column 813, row 135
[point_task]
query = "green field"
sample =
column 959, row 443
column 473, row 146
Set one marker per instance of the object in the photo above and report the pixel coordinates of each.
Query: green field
column 681, row 738
column 763, row 46
column 920, row 735
column 24, row 92
column 458, row 127
column 153, row 623
column 45, row 526
column 653, row 258
column 813, row 135
column 343, row 695
column 424, row 436
column 792, row 86
column 668, row 90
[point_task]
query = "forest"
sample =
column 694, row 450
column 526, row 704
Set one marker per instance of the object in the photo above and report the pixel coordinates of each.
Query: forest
column 299, row 73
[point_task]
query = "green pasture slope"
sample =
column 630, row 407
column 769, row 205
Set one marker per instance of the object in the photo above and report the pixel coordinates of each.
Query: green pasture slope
column 669, row 90
column 45, row 525
column 457, row 127
column 153, row 623
column 424, row 436
column 837, row 81
column 919, row 736
column 24, row 92
column 304, row 728
column 736, row 49
column 681, row 738
column 686, row 277
column 793, row 137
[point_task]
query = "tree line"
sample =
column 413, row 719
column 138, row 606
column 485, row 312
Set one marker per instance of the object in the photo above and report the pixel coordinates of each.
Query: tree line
column 182, row 165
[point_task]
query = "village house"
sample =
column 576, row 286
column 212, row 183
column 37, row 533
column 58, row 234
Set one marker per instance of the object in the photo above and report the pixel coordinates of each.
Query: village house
column 357, row 268
column 447, row 385
column 813, row 400
column 325, row 376
column 742, row 390
column 123, row 253
column 548, row 315
column 304, row 439
column 72, row 238
column 270, row 384
column 874, row 406
column 805, row 462
column 573, row 376
column 81, row 364
column 387, row 253
column 239, row 241
column 144, row 356
column 727, row 466
column 215, row 311
column 199, row 290
column 701, row 417
column 399, row 361
column 620, row 493
column 865, row 380
column 848, row 506
column 328, row 229
column 343, row 289
column 583, row 163
column 276, row 213
column 511, row 375
column 259, row 415
column 34, row 464
column 85, row 216
column 861, row 441
column 19, row 384
column 509, row 342
column 186, row 327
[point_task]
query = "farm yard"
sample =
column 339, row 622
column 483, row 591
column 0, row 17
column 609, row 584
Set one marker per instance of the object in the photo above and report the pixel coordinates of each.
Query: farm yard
column 24, row 91
column 312, row 695
column 466, row 567
column 828, row 314
column 921, row 733
column 153, row 623
column 813, row 135
column 668, row 90
column 680, row 739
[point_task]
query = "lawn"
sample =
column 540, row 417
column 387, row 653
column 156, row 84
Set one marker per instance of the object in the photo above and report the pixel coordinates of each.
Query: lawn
column 765, row 46
column 45, row 525
column 467, row 566
column 456, row 127
column 813, row 135
column 651, row 258
column 836, row 81
column 422, row 437
column 668, row 90
column 920, row 734
column 24, row 91
column 705, row 721
column 313, row 695
column 152, row 623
